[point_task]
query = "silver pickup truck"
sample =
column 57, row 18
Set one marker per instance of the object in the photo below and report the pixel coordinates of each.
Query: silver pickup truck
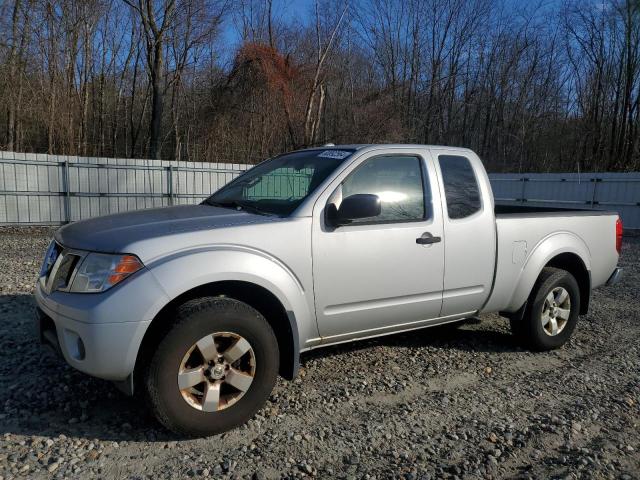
column 201, row 307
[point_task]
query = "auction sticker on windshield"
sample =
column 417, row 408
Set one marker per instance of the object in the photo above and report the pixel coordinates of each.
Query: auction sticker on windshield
column 338, row 154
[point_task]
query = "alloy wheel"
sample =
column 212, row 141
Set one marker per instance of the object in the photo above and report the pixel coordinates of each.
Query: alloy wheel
column 216, row 371
column 556, row 311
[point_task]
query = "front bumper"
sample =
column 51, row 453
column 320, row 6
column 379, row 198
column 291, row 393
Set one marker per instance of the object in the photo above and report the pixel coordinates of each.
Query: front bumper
column 615, row 277
column 100, row 334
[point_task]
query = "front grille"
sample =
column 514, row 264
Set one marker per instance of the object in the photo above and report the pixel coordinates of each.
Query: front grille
column 63, row 274
column 53, row 252
column 58, row 268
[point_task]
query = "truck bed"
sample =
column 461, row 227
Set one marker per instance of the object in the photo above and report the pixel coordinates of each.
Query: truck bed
column 521, row 229
column 509, row 210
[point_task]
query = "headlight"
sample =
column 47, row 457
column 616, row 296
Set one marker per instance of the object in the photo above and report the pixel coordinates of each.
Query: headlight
column 99, row 272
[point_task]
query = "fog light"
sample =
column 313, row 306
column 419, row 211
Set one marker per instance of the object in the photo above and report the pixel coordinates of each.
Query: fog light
column 75, row 345
column 80, row 346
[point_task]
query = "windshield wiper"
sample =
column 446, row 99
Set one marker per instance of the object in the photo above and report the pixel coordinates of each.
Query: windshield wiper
column 235, row 204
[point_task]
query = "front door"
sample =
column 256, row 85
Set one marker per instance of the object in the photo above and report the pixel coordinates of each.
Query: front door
column 379, row 274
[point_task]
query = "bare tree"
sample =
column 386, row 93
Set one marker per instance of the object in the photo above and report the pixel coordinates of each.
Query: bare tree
column 156, row 19
column 529, row 85
column 316, row 95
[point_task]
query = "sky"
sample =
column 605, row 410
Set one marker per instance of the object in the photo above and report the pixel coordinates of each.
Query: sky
column 291, row 11
column 288, row 10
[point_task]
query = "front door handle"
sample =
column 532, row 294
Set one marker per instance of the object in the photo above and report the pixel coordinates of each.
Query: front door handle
column 427, row 239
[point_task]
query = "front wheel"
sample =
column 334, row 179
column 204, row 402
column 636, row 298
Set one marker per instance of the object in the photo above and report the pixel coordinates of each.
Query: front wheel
column 214, row 369
column 552, row 311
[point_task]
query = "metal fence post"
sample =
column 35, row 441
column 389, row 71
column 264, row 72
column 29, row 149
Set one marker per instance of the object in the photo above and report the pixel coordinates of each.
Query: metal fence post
column 595, row 189
column 522, row 193
column 67, row 193
column 170, row 183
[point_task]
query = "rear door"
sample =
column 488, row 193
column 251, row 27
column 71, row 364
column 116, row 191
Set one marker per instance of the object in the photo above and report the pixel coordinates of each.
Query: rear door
column 469, row 230
column 372, row 277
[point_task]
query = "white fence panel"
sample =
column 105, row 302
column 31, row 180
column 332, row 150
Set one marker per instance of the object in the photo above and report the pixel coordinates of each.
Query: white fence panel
column 615, row 191
column 55, row 189
column 40, row 189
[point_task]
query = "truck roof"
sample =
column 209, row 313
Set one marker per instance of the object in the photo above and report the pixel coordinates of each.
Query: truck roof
column 360, row 146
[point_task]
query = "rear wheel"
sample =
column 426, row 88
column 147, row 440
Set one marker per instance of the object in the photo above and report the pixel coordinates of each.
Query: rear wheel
column 551, row 313
column 214, row 369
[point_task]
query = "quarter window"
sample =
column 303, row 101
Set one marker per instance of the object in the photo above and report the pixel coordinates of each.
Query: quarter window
column 397, row 181
column 460, row 186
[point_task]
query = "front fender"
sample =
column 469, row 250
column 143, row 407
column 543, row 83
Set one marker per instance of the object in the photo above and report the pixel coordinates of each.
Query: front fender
column 186, row 270
column 546, row 249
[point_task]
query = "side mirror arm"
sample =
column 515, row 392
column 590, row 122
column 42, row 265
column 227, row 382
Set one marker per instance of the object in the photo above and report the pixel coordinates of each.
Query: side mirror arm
column 332, row 216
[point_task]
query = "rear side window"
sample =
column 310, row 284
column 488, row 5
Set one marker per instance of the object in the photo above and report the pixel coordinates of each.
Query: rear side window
column 460, row 186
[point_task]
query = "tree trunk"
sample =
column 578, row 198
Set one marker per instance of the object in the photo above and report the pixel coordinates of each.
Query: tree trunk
column 155, row 130
column 12, row 80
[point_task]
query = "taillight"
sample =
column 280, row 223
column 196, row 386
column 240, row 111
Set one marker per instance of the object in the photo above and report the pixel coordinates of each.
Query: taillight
column 619, row 235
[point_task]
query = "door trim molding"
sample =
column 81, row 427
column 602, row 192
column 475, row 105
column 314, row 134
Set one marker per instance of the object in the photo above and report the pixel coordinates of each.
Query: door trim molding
column 381, row 331
column 380, row 303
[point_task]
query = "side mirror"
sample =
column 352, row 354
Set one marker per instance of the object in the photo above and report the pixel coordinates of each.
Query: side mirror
column 360, row 205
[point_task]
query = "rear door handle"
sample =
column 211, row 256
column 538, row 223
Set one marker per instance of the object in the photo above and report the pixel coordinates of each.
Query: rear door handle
column 427, row 239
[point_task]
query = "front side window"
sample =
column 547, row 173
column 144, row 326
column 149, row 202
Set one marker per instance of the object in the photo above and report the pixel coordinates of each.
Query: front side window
column 460, row 186
column 397, row 181
column 279, row 185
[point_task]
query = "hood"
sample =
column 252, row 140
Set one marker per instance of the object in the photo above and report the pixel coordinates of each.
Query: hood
column 113, row 233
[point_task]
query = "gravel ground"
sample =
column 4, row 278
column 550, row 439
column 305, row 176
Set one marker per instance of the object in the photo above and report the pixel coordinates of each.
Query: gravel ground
column 440, row 403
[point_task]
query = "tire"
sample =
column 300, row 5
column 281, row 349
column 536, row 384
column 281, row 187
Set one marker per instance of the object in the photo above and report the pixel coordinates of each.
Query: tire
column 215, row 404
column 536, row 328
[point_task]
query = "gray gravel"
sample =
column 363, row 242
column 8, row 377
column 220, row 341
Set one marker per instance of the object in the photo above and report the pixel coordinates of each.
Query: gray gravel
column 448, row 402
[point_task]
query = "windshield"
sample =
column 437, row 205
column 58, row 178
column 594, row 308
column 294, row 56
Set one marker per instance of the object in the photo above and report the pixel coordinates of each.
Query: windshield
column 279, row 185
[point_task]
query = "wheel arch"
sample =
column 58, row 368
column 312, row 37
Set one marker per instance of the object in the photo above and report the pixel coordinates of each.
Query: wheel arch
column 561, row 250
column 281, row 320
column 573, row 264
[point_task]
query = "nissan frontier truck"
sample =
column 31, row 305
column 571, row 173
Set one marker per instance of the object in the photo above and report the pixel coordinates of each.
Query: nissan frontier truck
column 199, row 308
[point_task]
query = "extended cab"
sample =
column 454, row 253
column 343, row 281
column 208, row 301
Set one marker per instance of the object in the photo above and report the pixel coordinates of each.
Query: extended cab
column 201, row 307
